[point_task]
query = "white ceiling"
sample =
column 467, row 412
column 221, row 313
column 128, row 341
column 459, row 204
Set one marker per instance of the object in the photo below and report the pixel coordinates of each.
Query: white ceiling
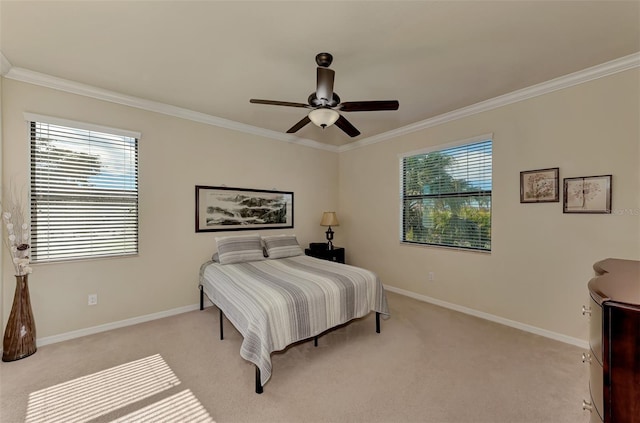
column 213, row 56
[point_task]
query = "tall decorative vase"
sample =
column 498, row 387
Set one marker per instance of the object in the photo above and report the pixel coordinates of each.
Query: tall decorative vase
column 20, row 334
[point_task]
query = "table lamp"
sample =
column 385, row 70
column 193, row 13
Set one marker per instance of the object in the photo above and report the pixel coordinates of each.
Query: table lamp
column 329, row 219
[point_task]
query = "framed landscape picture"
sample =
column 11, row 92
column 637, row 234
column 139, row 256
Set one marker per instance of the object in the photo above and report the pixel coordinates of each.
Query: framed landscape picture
column 237, row 209
column 540, row 186
column 587, row 194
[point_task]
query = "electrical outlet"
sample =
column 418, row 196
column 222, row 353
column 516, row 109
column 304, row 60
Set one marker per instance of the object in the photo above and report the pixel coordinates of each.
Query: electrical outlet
column 432, row 276
column 93, row 299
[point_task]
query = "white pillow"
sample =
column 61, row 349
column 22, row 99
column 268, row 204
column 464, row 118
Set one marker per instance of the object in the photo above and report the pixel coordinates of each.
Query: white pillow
column 281, row 246
column 239, row 249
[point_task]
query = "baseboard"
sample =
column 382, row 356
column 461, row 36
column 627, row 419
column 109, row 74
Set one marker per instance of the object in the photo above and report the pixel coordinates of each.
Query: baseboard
column 149, row 317
column 114, row 325
column 497, row 319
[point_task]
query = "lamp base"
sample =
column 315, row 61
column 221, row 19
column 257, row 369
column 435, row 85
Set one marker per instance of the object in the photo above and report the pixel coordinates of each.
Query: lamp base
column 329, row 238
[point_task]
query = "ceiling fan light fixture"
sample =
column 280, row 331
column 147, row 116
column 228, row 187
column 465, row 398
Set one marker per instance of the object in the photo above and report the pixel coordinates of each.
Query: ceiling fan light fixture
column 323, row 117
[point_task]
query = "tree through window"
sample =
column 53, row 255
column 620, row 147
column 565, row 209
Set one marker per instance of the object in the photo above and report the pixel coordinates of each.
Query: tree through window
column 446, row 197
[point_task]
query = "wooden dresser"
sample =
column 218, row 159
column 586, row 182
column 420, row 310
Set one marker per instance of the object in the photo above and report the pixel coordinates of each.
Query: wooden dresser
column 614, row 359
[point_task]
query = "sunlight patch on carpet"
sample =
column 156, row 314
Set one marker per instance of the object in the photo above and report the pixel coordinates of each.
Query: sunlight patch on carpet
column 181, row 407
column 90, row 396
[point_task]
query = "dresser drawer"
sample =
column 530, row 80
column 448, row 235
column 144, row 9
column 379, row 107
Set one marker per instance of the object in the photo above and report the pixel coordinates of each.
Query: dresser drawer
column 595, row 330
column 595, row 388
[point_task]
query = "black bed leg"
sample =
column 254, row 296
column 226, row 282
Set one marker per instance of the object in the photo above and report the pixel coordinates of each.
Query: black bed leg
column 258, row 384
column 221, row 327
column 315, row 341
column 377, row 322
column 201, row 298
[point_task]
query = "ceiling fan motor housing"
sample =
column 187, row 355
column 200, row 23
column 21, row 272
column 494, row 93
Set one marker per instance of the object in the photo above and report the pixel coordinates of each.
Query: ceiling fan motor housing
column 315, row 102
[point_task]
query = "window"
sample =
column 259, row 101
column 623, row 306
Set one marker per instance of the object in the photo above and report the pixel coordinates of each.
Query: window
column 446, row 196
column 84, row 191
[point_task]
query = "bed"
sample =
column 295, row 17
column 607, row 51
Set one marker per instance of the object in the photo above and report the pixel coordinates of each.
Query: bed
column 277, row 301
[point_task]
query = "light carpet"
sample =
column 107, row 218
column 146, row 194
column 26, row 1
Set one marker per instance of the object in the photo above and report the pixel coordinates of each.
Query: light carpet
column 428, row 364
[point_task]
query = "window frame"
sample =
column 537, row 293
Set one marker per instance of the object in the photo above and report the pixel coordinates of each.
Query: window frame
column 31, row 119
column 441, row 148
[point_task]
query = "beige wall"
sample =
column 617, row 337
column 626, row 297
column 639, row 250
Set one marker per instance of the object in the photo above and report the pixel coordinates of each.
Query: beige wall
column 175, row 155
column 541, row 258
column 536, row 273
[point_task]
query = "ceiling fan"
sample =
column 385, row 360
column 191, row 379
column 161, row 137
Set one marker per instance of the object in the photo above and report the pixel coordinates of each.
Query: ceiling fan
column 325, row 104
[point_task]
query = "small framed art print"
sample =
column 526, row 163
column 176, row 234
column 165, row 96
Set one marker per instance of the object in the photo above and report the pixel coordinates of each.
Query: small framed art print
column 540, row 186
column 587, row 194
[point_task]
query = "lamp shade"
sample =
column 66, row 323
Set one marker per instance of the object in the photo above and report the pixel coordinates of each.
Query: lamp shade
column 329, row 219
column 323, row 117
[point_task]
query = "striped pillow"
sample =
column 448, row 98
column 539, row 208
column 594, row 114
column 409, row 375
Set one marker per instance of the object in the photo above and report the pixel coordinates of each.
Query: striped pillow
column 281, row 246
column 239, row 249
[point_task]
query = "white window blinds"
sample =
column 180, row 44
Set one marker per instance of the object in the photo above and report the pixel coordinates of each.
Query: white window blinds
column 446, row 197
column 84, row 193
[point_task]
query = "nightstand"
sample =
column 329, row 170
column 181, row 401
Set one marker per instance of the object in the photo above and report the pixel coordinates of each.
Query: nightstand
column 337, row 254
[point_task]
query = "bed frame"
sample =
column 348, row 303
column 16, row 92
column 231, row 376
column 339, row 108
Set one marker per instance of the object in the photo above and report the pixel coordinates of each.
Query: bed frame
column 259, row 388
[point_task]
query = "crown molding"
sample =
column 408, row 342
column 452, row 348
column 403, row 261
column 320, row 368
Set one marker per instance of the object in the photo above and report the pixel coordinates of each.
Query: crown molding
column 599, row 71
column 48, row 81
column 5, row 65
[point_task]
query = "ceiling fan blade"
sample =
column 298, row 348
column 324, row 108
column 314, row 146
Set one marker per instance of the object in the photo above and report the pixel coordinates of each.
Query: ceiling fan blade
column 347, row 127
column 369, row 106
column 324, row 88
column 279, row 103
column 299, row 125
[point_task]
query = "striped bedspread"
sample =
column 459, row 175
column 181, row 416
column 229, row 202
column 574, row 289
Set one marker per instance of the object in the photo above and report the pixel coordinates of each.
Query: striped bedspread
column 274, row 303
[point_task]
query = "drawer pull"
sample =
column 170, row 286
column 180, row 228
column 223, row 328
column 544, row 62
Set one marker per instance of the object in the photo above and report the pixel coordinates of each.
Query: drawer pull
column 586, row 405
column 586, row 310
column 586, row 357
